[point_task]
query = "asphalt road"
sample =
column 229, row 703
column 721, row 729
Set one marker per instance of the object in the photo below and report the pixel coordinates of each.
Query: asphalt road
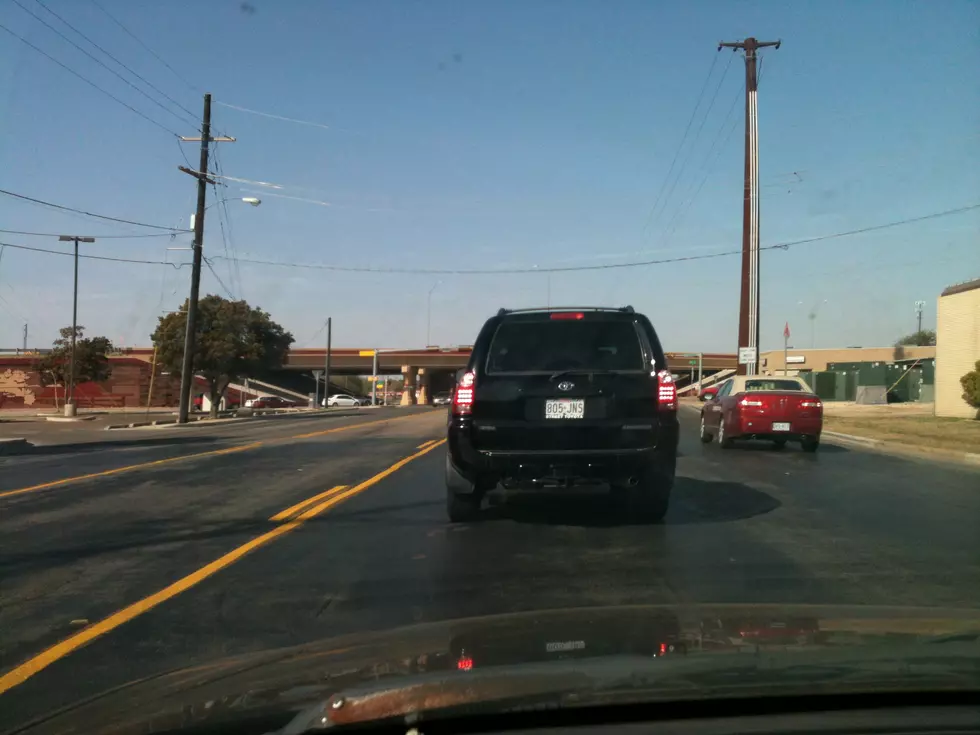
column 844, row 526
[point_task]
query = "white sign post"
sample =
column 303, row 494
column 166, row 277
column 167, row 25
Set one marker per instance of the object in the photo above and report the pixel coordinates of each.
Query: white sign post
column 746, row 356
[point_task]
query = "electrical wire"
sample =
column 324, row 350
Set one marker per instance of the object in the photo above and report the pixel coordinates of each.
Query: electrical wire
column 706, row 167
column 92, row 257
column 91, row 214
column 97, row 60
column 136, row 38
column 89, row 82
column 234, row 271
column 214, row 273
column 149, row 84
column 694, row 142
column 274, row 117
column 604, row 266
column 687, row 129
column 97, row 237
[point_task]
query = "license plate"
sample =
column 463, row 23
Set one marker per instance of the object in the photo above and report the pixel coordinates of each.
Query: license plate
column 780, row 427
column 564, row 408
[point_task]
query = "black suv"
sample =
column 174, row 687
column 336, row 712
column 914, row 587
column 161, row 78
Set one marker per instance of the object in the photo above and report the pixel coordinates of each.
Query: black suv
column 559, row 397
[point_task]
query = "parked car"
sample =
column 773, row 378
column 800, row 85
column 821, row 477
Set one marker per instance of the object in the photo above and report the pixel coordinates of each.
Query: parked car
column 344, row 399
column 779, row 410
column 270, row 402
column 442, row 399
column 553, row 398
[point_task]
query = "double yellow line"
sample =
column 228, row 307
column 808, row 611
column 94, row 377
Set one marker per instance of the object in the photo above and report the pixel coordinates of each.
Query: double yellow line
column 198, row 455
column 291, row 518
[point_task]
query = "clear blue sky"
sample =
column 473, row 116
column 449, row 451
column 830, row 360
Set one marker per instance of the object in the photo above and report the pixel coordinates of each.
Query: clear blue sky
column 511, row 133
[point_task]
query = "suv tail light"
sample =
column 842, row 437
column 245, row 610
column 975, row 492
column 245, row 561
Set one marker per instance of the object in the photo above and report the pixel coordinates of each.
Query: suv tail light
column 666, row 391
column 463, row 395
column 573, row 315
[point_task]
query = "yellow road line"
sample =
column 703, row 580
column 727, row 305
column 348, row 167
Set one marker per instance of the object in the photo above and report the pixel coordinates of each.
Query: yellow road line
column 293, row 510
column 198, row 455
column 423, row 445
column 127, row 468
column 32, row 666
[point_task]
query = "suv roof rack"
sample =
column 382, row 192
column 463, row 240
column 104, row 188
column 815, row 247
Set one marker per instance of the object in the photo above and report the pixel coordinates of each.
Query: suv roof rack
column 622, row 309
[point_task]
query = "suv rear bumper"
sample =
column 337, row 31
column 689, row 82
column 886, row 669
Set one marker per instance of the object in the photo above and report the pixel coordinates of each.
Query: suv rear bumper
column 476, row 467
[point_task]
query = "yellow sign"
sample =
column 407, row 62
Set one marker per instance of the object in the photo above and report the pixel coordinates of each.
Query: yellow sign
column 366, row 353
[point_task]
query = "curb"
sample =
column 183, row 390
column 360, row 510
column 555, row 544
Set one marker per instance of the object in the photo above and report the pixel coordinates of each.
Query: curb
column 15, row 445
column 851, row 438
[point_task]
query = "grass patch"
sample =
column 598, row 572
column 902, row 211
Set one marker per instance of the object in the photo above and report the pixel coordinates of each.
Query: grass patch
column 922, row 431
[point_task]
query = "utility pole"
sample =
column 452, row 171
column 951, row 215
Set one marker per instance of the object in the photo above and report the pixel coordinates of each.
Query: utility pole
column 187, row 365
column 326, row 363
column 70, row 391
column 374, row 380
column 25, row 337
column 748, row 319
column 919, row 306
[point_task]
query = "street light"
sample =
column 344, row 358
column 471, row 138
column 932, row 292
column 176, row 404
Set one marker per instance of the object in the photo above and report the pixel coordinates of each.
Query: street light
column 254, row 201
column 70, row 392
column 428, row 314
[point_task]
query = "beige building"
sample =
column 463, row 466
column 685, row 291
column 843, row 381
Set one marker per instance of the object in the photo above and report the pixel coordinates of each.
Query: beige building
column 957, row 346
column 816, row 360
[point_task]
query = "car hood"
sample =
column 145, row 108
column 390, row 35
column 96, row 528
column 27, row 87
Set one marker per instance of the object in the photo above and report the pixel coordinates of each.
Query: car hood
column 474, row 661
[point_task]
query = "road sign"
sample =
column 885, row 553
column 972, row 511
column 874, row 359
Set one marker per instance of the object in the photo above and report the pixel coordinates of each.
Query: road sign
column 366, row 353
column 746, row 355
column 692, row 362
column 317, row 374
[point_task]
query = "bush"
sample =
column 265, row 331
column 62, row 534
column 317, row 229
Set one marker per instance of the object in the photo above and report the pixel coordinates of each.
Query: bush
column 971, row 386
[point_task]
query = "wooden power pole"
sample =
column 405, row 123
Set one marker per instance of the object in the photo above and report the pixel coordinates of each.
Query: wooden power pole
column 748, row 315
column 187, row 365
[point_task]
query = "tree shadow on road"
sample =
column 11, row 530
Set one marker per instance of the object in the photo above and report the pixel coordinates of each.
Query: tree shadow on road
column 693, row 501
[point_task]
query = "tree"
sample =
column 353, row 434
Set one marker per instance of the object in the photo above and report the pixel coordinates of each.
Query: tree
column 923, row 338
column 91, row 360
column 233, row 341
column 971, row 386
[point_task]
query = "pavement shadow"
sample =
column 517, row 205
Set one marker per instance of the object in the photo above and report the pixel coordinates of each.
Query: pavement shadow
column 201, row 443
column 692, row 502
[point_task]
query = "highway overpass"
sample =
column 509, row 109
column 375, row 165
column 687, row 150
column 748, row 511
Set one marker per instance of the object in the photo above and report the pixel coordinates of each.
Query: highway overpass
column 431, row 369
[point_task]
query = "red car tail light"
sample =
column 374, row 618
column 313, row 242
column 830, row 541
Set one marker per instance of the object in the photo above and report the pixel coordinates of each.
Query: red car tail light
column 573, row 315
column 747, row 402
column 666, row 391
column 464, row 393
column 811, row 403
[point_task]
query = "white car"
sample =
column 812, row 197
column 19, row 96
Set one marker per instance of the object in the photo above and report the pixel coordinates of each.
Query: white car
column 341, row 399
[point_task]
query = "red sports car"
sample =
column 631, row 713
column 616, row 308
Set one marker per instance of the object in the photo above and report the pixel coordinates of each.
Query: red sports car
column 762, row 407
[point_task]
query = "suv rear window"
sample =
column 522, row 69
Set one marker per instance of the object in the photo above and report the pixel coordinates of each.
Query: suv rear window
column 772, row 385
column 544, row 346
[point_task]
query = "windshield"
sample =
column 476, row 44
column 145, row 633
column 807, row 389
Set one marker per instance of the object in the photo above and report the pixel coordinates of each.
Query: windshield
column 773, row 385
column 528, row 346
column 495, row 347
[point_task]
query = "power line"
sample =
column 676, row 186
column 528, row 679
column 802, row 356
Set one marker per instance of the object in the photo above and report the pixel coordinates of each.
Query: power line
column 97, row 60
column 91, row 214
column 147, row 48
column 274, row 117
column 237, row 274
column 89, row 82
column 605, row 266
column 97, row 237
column 124, row 66
column 687, row 129
column 214, row 273
column 694, row 142
column 91, row 257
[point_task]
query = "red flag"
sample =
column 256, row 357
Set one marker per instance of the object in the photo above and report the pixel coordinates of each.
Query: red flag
column 786, row 331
